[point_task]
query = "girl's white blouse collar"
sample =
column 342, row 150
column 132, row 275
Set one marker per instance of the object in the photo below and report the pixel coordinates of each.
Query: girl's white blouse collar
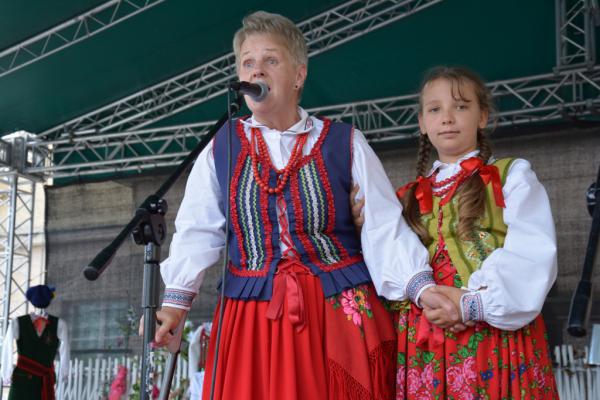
column 440, row 166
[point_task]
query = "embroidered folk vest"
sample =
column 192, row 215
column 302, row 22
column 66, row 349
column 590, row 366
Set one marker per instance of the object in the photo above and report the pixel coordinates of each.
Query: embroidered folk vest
column 318, row 212
column 488, row 234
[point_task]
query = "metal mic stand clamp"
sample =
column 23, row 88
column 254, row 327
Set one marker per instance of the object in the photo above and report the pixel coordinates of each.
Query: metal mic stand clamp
column 151, row 232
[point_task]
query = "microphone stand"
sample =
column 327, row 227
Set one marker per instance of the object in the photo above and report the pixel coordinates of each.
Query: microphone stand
column 579, row 313
column 148, row 227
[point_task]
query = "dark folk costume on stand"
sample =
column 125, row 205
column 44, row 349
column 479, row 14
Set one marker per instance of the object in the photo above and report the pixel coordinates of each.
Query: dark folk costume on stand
column 39, row 337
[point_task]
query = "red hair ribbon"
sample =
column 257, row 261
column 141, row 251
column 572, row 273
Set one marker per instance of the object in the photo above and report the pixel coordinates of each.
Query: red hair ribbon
column 488, row 173
column 423, row 193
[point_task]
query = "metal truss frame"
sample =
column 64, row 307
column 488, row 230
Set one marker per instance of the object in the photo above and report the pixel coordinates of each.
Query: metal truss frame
column 70, row 32
column 17, row 199
column 575, row 39
column 323, row 32
column 571, row 93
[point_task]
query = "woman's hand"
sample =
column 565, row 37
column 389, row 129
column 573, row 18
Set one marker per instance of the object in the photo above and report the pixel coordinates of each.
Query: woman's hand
column 357, row 207
column 452, row 293
column 441, row 308
column 168, row 319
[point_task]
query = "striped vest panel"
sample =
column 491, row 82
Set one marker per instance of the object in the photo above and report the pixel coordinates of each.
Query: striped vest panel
column 318, row 212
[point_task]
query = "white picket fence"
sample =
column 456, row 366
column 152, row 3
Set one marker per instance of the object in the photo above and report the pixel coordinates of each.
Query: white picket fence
column 575, row 379
column 91, row 379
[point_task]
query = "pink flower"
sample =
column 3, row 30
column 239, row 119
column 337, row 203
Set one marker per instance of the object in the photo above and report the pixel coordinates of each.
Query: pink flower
column 455, row 378
column 360, row 299
column 413, row 381
column 400, row 382
column 350, row 307
column 539, row 377
column 466, row 395
column 119, row 384
column 427, row 376
column 425, row 394
column 468, row 370
column 403, row 319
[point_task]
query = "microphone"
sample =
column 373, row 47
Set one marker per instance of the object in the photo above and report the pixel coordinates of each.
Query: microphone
column 257, row 91
column 581, row 302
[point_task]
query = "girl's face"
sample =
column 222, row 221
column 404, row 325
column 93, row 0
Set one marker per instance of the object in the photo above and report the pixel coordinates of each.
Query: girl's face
column 264, row 58
column 450, row 118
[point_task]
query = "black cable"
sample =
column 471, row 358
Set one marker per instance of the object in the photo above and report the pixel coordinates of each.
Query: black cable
column 226, row 256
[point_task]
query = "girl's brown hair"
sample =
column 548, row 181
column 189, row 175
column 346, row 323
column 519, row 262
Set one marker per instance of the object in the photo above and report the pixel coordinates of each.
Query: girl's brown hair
column 471, row 193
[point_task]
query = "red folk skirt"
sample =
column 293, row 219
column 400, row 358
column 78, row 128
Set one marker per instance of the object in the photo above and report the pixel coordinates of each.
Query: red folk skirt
column 343, row 347
column 481, row 362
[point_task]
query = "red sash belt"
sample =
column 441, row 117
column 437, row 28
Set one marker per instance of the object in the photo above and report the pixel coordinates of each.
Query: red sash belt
column 46, row 373
column 287, row 286
column 427, row 332
column 444, row 273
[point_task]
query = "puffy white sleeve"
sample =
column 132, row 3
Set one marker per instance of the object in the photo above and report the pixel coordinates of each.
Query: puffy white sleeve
column 199, row 237
column 397, row 260
column 12, row 334
column 64, row 350
column 513, row 281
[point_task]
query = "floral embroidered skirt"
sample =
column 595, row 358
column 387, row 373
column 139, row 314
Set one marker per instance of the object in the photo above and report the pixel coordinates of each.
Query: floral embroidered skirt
column 481, row 362
column 344, row 350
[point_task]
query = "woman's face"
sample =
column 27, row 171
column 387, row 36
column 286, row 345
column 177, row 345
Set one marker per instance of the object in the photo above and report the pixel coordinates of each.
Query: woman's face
column 263, row 57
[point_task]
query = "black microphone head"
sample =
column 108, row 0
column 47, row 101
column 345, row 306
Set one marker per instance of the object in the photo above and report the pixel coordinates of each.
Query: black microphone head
column 91, row 273
column 579, row 311
column 264, row 91
column 257, row 91
column 100, row 262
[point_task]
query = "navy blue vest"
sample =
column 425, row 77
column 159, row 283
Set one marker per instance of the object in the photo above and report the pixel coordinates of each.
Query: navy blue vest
column 318, row 211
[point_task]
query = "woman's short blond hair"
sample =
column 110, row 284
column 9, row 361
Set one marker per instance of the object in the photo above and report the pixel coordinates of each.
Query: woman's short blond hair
column 262, row 22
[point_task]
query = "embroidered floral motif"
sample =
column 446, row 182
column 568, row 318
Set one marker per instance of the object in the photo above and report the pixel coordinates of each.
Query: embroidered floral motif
column 400, row 380
column 392, row 306
column 460, row 375
column 354, row 304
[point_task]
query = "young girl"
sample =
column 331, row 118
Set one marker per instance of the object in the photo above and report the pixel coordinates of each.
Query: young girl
column 490, row 235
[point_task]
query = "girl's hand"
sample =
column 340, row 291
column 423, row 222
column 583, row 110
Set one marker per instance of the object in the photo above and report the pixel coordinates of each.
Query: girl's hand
column 441, row 318
column 454, row 295
column 440, row 310
column 357, row 207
